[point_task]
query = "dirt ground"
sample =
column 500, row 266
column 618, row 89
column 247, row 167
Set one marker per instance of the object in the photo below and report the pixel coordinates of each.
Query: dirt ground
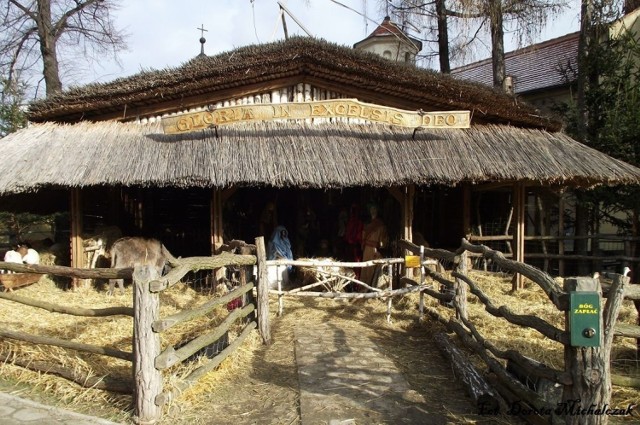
column 266, row 390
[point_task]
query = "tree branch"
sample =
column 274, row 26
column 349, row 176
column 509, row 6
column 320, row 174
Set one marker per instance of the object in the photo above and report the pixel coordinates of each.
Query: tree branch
column 25, row 10
column 62, row 22
column 465, row 15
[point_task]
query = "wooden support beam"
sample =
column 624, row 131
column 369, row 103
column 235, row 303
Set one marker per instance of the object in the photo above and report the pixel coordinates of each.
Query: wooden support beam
column 561, row 234
column 216, row 220
column 519, row 195
column 264, row 326
column 407, row 211
column 466, row 210
column 77, row 249
column 217, row 239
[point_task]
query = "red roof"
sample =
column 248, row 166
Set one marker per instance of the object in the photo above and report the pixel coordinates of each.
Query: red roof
column 388, row 28
column 535, row 67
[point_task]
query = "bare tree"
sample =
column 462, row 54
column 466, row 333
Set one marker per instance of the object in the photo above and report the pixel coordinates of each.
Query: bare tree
column 47, row 33
column 473, row 18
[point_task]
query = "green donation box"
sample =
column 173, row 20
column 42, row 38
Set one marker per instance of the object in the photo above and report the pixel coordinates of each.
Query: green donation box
column 584, row 319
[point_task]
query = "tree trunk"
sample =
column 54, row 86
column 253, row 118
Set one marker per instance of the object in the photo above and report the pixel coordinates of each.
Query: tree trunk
column 443, row 37
column 497, row 43
column 48, row 48
column 584, row 43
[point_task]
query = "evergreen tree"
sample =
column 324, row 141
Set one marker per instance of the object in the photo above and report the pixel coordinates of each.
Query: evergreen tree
column 606, row 116
column 12, row 115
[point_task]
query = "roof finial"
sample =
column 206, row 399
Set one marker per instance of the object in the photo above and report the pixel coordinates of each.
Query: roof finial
column 202, row 39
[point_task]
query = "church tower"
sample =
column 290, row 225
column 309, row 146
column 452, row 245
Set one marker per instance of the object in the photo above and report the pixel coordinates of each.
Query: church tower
column 390, row 42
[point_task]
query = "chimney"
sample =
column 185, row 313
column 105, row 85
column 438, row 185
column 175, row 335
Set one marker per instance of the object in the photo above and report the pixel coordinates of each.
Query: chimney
column 509, row 85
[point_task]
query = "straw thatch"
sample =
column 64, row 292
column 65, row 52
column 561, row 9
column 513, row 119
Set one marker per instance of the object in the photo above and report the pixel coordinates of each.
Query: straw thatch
column 359, row 74
column 295, row 154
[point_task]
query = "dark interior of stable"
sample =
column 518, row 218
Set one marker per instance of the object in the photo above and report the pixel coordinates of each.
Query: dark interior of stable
column 316, row 219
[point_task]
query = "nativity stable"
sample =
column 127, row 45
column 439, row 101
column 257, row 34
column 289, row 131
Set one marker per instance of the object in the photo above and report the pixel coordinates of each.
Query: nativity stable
column 300, row 133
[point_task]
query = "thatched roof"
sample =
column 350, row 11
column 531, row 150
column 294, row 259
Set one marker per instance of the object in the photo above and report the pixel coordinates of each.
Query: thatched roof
column 361, row 74
column 295, row 154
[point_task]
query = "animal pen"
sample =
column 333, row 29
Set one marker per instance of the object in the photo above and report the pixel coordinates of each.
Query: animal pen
column 182, row 154
column 525, row 381
column 148, row 358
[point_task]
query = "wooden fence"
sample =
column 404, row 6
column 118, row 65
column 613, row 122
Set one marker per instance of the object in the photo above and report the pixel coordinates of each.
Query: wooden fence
column 148, row 358
column 333, row 279
column 586, row 375
column 555, row 248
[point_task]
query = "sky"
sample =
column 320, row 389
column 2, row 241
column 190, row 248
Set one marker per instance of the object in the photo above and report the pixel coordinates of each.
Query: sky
column 163, row 33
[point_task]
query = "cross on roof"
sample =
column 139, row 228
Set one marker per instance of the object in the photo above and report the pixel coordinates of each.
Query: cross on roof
column 202, row 39
column 202, row 30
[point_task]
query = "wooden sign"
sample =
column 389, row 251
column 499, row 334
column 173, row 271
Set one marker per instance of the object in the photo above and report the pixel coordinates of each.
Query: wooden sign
column 336, row 108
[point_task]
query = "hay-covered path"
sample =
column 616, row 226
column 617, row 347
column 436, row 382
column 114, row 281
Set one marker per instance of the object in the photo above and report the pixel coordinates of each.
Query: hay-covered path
column 326, row 354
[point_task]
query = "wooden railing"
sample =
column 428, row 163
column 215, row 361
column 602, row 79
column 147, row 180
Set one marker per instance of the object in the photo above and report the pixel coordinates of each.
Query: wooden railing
column 580, row 362
column 148, row 358
column 595, row 255
column 86, row 380
column 333, row 271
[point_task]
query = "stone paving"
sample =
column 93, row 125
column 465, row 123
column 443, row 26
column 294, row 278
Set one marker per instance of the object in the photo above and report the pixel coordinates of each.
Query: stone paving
column 346, row 380
column 18, row 411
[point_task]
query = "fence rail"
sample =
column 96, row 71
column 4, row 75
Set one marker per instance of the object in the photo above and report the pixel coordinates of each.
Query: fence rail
column 613, row 248
column 147, row 356
column 150, row 359
column 579, row 361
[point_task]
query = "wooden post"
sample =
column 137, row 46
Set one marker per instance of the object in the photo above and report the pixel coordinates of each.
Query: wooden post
column 561, row 235
column 590, row 367
column 506, row 230
column 466, row 210
column 77, row 249
column 407, row 216
column 216, row 229
column 542, row 226
column 409, row 194
column 280, row 300
column 390, row 298
column 421, row 305
column 460, row 296
column 146, row 346
column 405, row 199
column 263, row 292
column 518, row 236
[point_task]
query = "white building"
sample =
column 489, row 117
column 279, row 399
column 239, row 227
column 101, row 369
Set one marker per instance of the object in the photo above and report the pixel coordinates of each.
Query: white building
column 390, row 42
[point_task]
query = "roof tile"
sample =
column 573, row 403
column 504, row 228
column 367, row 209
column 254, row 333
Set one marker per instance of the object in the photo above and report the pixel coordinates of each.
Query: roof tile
column 545, row 65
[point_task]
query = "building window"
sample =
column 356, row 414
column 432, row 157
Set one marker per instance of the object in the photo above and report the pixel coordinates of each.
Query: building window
column 407, row 57
column 387, row 54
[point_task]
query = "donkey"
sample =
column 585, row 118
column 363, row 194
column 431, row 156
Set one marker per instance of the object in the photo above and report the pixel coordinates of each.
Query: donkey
column 136, row 251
